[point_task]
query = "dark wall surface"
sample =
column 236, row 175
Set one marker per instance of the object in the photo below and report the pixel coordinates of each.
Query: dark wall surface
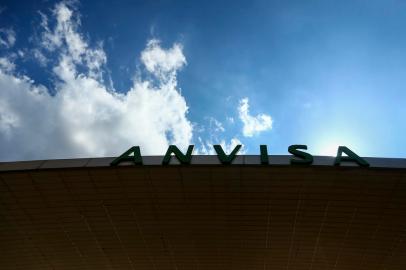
column 201, row 217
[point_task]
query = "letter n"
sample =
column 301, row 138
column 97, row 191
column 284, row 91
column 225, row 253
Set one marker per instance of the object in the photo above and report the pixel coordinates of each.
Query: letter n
column 184, row 159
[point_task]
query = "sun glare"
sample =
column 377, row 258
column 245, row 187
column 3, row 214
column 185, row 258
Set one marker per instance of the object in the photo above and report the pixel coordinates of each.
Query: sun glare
column 329, row 147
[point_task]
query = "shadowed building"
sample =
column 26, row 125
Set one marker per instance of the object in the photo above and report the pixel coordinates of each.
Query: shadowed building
column 85, row 214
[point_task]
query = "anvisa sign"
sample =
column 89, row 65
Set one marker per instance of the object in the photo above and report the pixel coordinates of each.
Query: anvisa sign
column 299, row 157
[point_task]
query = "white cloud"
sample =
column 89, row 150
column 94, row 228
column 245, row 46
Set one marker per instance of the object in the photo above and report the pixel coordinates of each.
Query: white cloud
column 230, row 119
column 206, row 147
column 215, row 135
column 40, row 57
column 163, row 63
column 216, row 125
column 229, row 147
column 7, row 37
column 6, row 64
column 70, row 43
column 253, row 124
column 85, row 118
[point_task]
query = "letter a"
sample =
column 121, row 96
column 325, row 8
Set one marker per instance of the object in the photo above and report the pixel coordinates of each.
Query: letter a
column 351, row 157
column 136, row 158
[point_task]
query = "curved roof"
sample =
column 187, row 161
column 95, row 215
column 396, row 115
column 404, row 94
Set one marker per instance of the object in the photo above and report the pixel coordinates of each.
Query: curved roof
column 84, row 214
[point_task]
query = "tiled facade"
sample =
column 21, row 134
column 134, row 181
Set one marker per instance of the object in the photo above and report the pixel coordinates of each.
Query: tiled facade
column 201, row 217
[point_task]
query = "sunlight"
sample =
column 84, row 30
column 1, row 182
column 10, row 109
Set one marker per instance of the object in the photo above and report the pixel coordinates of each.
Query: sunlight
column 328, row 147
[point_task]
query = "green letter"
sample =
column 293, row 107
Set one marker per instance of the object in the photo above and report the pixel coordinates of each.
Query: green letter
column 307, row 159
column 226, row 159
column 264, row 154
column 351, row 157
column 184, row 159
column 136, row 158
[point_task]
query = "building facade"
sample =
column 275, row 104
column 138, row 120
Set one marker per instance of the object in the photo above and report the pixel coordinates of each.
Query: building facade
column 87, row 214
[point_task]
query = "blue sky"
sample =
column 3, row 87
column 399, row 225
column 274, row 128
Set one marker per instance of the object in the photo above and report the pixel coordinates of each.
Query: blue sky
column 92, row 78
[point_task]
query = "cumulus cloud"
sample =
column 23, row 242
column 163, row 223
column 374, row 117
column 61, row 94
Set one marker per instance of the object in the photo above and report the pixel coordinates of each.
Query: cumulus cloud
column 163, row 63
column 252, row 124
column 84, row 117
